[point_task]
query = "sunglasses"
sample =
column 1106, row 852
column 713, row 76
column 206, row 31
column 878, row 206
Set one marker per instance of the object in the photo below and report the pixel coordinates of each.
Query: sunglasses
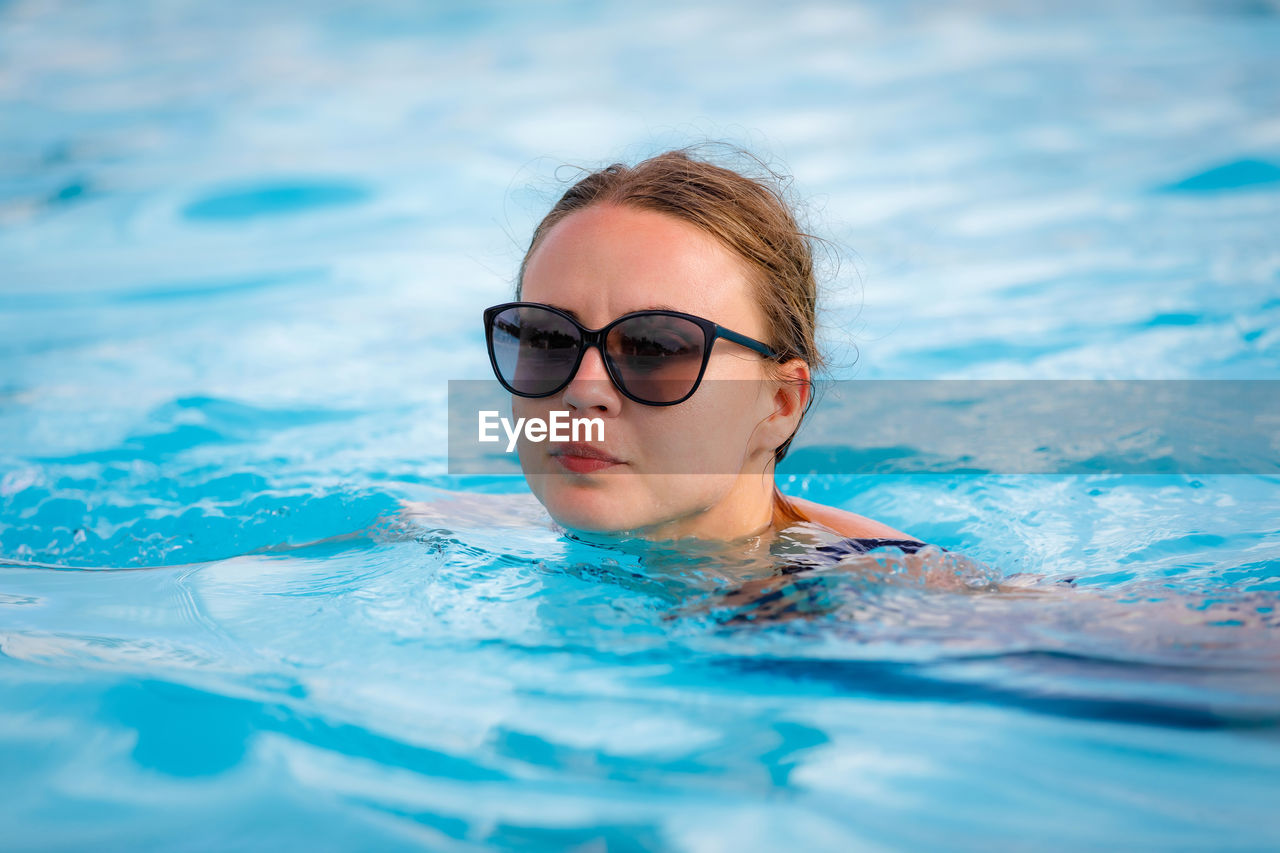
column 656, row 357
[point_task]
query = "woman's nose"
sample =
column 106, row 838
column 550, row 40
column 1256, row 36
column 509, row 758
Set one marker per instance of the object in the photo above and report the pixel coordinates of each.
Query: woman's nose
column 591, row 388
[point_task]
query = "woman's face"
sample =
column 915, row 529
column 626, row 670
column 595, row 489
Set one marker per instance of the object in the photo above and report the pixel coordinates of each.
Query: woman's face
column 694, row 469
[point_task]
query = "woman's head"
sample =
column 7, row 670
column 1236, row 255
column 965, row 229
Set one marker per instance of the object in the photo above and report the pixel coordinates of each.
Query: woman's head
column 679, row 233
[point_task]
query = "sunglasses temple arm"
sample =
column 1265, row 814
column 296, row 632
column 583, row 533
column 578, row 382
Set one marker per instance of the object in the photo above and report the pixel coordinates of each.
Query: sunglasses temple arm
column 743, row 340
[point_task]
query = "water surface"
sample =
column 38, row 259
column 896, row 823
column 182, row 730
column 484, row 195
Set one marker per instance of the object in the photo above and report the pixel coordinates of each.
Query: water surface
column 244, row 249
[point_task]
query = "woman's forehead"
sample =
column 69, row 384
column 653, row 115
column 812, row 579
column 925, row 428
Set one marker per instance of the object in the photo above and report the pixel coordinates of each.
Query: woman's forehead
column 609, row 260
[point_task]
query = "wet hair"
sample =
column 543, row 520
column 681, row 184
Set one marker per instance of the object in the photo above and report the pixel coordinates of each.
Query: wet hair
column 751, row 216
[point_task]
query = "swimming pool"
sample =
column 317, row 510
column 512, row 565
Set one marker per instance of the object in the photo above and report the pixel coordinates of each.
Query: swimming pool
column 245, row 248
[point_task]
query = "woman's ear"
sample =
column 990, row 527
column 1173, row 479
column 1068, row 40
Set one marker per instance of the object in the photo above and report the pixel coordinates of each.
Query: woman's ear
column 791, row 395
column 794, row 390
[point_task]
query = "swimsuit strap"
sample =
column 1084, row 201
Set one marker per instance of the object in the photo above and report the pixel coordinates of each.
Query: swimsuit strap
column 844, row 548
column 862, row 546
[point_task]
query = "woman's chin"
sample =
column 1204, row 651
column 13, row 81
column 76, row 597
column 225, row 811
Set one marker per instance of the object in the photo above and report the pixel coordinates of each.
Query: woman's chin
column 590, row 519
column 589, row 510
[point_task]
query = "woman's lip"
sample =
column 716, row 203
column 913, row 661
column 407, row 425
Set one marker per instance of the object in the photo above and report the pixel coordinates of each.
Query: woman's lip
column 584, row 451
column 582, row 464
column 583, row 458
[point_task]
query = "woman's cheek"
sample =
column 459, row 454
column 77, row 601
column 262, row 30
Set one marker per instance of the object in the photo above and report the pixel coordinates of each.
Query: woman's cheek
column 705, row 442
column 678, row 441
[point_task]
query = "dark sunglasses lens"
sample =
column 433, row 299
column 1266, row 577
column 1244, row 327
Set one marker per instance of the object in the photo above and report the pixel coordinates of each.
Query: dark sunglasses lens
column 658, row 358
column 534, row 349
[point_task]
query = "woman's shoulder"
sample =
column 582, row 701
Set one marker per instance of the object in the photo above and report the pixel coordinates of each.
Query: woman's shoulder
column 848, row 524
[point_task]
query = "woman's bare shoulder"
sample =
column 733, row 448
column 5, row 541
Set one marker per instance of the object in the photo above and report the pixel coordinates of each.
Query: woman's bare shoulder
column 844, row 522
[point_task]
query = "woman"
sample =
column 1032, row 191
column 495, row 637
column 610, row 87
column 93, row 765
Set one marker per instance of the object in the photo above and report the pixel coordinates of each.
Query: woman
column 674, row 301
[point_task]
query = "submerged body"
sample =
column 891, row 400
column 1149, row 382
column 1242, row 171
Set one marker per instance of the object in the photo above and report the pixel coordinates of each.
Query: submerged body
column 807, row 536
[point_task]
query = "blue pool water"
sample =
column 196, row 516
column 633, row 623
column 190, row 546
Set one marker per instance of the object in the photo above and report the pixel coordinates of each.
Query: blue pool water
column 244, row 247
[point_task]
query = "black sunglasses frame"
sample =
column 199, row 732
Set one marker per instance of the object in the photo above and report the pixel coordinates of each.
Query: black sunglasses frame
column 596, row 338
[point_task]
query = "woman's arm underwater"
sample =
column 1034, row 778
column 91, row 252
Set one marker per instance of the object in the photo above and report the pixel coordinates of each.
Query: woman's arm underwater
column 946, row 580
column 447, row 510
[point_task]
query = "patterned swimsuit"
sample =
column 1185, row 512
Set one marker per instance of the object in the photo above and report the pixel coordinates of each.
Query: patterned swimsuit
column 834, row 551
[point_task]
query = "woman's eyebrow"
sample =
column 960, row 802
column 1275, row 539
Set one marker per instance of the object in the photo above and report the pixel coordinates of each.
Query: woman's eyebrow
column 569, row 311
column 575, row 315
column 658, row 307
